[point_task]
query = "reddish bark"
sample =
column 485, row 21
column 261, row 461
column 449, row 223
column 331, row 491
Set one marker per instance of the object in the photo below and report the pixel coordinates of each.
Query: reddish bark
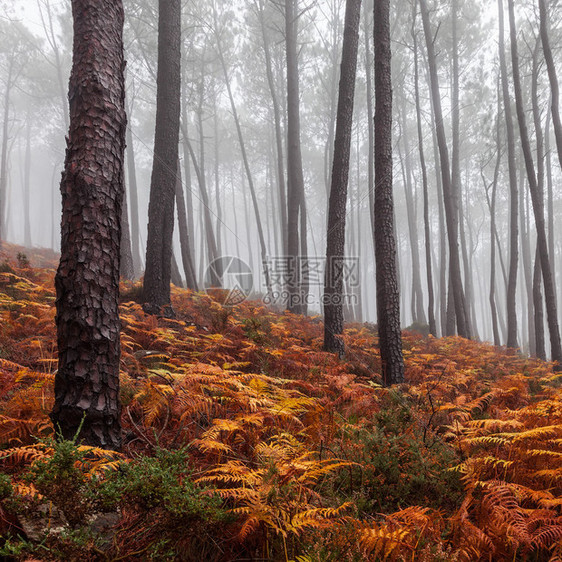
column 87, row 281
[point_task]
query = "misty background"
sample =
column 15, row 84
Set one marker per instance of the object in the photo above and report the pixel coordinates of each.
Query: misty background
column 35, row 59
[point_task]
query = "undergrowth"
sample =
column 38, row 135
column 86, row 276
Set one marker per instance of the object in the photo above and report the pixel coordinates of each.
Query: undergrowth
column 244, row 441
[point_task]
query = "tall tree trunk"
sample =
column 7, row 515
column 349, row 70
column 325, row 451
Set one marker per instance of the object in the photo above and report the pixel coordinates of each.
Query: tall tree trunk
column 4, row 153
column 540, row 347
column 513, row 215
column 51, row 36
column 370, row 115
column 553, row 79
column 216, row 143
column 418, row 313
column 538, row 208
column 156, row 290
column 277, row 120
column 527, row 266
column 450, row 211
column 127, row 270
column 492, row 208
column 185, row 243
column 87, row 280
column 456, row 188
column 26, row 184
column 388, row 293
column 427, row 230
column 550, row 192
column 295, row 179
column 209, row 238
column 187, row 175
column 134, row 201
column 257, row 214
column 337, row 208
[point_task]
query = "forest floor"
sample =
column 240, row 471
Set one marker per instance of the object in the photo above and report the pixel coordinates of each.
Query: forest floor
column 245, row 441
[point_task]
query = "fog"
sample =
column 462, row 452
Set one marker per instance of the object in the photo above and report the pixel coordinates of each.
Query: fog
column 35, row 60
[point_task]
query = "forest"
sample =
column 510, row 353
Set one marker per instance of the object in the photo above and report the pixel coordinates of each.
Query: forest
column 280, row 280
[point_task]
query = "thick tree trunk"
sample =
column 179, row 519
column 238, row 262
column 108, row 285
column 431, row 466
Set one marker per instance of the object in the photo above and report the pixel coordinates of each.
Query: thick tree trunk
column 538, row 208
column 388, row 293
column 337, row 208
column 156, row 290
column 448, row 196
column 87, row 281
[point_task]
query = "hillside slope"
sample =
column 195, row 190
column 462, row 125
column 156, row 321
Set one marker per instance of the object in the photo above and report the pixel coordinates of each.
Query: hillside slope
column 244, row 441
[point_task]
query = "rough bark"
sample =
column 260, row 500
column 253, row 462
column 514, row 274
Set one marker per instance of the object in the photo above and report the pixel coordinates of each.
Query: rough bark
column 156, row 289
column 337, row 208
column 388, row 294
column 87, row 280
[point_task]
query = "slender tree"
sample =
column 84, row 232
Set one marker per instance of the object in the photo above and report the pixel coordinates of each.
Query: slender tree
column 538, row 207
column 512, row 168
column 427, row 228
column 335, row 245
column 448, row 196
column 296, row 236
column 87, row 280
column 552, row 77
column 156, row 289
column 388, row 294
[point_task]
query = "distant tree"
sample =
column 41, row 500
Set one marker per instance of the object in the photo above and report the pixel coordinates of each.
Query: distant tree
column 451, row 212
column 333, row 283
column 388, row 294
column 87, row 280
column 156, row 289
column 14, row 55
column 513, row 225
